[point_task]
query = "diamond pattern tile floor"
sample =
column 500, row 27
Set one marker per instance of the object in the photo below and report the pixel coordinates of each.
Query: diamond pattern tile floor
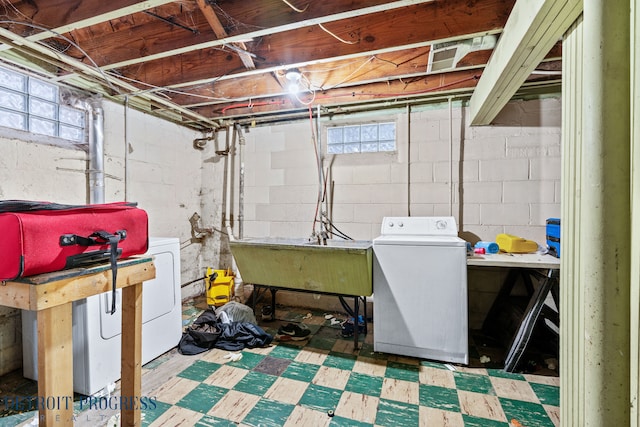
column 322, row 381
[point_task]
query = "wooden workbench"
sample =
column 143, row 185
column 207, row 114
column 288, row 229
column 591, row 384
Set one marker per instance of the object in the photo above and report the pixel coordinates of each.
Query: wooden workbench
column 50, row 296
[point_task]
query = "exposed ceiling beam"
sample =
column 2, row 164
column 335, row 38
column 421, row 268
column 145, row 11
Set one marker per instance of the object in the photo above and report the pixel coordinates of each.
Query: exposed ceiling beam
column 345, row 57
column 532, row 29
column 114, row 83
column 220, row 32
column 93, row 20
column 268, row 31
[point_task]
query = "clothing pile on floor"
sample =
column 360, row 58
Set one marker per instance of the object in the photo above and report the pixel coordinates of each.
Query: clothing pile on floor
column 231, row 327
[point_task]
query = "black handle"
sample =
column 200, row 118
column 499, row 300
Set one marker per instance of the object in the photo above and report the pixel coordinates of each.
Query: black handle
column 99, row 238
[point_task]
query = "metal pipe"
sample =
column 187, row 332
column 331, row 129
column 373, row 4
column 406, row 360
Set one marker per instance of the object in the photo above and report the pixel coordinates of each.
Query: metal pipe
column 95, row 168
column 126, row 149
column 96, row 152
column 450, row 157
column 241, row 143
column 324, row 233
column 227, row 214
column 408, row 159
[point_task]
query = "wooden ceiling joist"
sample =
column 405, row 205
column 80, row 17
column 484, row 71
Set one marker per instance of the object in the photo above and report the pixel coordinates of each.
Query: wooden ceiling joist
column 115, row 83
column 86, row 18
column 256, row 34
column 221, row 33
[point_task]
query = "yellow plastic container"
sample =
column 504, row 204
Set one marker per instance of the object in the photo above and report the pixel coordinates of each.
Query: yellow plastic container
column 219, row 288
column 515, row 244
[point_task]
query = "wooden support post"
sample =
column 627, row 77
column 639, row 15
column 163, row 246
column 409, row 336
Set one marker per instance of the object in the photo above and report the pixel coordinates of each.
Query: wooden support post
column 131, row 355
column 55, row 366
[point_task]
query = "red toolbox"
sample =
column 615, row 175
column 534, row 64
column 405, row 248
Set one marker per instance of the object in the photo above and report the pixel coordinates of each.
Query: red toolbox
column 40, row 237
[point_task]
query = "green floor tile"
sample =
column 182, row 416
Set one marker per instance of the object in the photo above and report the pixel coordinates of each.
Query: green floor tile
column 255, row 383
column 209, row 421
column 202, row 398
column 301, row 371
column 322, row 343
column 473, row 382
column 191, row 311
column 470, row 421
column 402, row 371
column 364, row 384
column 340, row 360
column 439, row 397
column 548, row 394
column 347, row 422
column 199, row 371
column 151, row 414
column 284, row 351
column 14, row 420
column 500, row 373
column 249, row 360
column 268, row 413
column 392, row 413
column 430, row 364
column 320, row 398
column 526, row 413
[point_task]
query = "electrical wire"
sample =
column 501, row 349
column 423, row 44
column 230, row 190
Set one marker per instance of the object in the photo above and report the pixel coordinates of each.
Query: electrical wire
column 371, row 58
column 157, row 89
column 335, row 36
column 308, row 88
column 295, row 8
column 337, row 231
column 320, row 184
column 68, row 40
column 326, row 70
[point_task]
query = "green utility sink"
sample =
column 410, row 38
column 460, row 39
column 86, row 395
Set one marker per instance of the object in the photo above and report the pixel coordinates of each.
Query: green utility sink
column 340, row 267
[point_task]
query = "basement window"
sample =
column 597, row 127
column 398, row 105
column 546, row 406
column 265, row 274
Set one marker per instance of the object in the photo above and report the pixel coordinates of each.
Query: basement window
column 363, row 138
column 33, row 105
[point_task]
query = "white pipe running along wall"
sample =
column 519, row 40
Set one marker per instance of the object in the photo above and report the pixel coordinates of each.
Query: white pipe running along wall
column 241, row 144
column 93, row 107
column 408, row 159
column 451, row 157
column 230, row 136
column 126, row 148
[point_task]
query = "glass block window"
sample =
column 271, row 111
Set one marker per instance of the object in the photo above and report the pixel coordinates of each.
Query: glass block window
column 33, row 105
column 364, row 138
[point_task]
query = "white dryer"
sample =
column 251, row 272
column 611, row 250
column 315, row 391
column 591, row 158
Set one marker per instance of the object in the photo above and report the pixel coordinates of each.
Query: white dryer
column 420, row 289
column 97, row 333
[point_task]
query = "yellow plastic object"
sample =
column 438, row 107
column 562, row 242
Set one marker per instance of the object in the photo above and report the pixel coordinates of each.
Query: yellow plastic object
column 219, row 286
column 515, row 244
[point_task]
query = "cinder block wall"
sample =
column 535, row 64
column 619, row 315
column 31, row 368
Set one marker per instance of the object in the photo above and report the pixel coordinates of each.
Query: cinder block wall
column 164, row 177
column 503, row 178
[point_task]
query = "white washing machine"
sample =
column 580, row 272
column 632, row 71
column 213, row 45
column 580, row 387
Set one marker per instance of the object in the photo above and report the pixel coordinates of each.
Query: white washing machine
column 97, row 333
column 420, row 289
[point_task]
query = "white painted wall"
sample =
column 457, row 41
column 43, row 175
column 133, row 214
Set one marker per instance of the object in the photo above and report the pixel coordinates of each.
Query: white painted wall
column 510, row 179
column 167, row 177
column 511, row 182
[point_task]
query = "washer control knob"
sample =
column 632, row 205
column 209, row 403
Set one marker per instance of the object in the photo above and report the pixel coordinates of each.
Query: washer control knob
column 390, row 223
column 400, row 224
column 441, row 224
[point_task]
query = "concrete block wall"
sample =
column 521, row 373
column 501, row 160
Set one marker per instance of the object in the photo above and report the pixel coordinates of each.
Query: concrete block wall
column 165, row 177
column 503, row 178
